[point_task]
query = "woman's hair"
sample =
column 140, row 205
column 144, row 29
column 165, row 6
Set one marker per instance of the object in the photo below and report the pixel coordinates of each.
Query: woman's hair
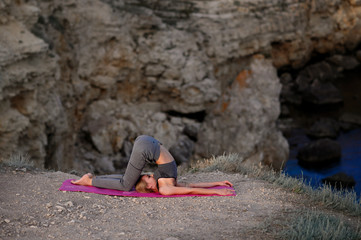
column 141, row 186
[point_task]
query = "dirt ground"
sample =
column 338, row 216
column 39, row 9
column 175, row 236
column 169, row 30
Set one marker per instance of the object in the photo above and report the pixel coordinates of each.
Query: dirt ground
column 32, row 207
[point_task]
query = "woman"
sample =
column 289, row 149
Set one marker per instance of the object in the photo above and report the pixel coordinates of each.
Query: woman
column 146, row 149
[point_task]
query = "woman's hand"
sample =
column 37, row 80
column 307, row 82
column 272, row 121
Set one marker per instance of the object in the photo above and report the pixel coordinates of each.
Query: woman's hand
column 225, row 183
column 225, row 191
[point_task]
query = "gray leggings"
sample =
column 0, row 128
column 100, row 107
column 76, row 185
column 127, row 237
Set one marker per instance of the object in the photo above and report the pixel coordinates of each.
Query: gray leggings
column 146, row 149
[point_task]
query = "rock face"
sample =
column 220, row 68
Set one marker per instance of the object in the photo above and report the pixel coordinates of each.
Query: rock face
column 79, row 80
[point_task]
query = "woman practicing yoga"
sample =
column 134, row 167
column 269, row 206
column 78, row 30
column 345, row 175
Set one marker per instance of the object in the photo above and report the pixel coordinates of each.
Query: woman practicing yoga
column 146, row 149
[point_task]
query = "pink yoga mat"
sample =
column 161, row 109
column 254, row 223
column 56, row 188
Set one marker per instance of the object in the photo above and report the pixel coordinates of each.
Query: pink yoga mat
column 68, row 186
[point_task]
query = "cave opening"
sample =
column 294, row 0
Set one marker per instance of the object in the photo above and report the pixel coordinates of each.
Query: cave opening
column 197, row 116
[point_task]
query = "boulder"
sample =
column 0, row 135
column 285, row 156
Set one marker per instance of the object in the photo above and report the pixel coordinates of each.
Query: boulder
column 321, row 94
column 324, row 128
column 285, row 111
column 350, row 121
column 322, row 71
column 286, row 78
column 313, row 86
column 340, row 180
column 290, row 95
column 122, row 159
column 182, row 150
column 104, row 165
column 303, row 81
column 191, row 131
column 319, row 154
column 344, row 62
column 358, row 55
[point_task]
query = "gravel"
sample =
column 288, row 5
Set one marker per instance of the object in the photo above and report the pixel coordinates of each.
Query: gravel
column 32, row 207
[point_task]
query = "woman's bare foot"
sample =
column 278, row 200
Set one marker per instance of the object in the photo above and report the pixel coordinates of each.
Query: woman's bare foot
column 85, row 180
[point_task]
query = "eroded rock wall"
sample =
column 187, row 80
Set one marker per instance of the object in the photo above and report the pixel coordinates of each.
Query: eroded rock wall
column 32, row 119
column 81, row 79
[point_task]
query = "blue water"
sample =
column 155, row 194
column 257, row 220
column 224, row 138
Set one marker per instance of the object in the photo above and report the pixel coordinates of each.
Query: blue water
column 350, row 162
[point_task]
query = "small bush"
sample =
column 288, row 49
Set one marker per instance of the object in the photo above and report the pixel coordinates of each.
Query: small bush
column 225, row 163
column 317, row 225
column 19, row 160
column 337, row 199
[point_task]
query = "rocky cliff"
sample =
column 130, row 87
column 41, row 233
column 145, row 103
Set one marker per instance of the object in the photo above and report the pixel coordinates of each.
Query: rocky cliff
column 79, row 80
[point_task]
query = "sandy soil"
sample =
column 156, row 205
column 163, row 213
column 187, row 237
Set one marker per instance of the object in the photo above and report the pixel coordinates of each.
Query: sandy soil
column 32, row 207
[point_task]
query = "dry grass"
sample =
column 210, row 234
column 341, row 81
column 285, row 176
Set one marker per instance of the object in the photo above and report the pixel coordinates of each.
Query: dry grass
column 318, row 225
column 18, row 160
column 304, row 225
column 334, row 199
column 230, row 163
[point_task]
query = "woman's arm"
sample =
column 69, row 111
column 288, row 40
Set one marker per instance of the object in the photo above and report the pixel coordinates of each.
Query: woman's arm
column 174, row 190
column 205, row 184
